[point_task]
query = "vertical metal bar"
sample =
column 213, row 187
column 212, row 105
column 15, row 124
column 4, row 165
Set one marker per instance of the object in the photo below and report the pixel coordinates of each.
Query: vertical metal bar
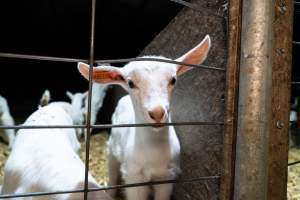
column 282, row 61
column 254, row 107
column 88, row 121
column 231, row 103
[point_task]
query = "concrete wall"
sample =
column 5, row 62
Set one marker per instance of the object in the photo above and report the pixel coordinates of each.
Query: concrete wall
column 198, row 95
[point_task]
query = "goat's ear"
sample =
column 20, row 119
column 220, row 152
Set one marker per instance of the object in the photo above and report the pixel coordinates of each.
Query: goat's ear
column 85, row 94
column 70, row 95
column 195, row 56
column 102, row 74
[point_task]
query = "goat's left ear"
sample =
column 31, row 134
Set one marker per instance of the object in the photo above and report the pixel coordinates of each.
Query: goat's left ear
column 85, row 95
column 195, row 56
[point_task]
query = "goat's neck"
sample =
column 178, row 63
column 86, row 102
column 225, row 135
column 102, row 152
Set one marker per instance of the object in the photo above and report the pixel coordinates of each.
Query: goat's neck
column 148, row 134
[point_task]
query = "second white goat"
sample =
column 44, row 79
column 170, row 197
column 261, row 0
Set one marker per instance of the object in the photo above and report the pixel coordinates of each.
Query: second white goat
column 46, row 160
column 74, row 109
column 77, row 113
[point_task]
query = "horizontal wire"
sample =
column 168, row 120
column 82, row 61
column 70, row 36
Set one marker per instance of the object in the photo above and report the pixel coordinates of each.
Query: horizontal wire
column 41, row 126
column 294, row 163
column 60, row 59
column 111, row 125
column 296, row 42
column 297, row 3
column 33, row 194
column 36, row 57
column 194, row 7
column 295, row 83
column 157, row 124
column 157, row 60
column 199, row 179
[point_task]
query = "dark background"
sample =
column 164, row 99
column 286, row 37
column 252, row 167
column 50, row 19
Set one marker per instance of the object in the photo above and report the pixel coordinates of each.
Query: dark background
column 62, row 28
column 296, row 53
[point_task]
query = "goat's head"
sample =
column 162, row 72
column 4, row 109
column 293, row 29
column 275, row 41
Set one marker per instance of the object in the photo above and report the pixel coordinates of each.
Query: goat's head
column 149, row 83
column 77, row 111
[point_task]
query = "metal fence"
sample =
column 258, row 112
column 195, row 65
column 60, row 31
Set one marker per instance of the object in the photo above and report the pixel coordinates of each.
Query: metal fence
column 88, row 124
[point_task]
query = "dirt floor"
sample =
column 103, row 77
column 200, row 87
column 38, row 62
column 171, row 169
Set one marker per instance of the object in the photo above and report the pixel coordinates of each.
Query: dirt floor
column 98, row 155
column 4, row 153
column 98, row 163
column 294, row 175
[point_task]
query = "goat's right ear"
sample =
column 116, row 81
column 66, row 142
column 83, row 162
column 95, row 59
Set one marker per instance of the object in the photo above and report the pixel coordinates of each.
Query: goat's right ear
column 85, row 94
column 195, row 56
column 102, row 74
column 70, row 95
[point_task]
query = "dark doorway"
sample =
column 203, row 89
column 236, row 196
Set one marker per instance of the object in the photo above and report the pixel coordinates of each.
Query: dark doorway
column 62, row 28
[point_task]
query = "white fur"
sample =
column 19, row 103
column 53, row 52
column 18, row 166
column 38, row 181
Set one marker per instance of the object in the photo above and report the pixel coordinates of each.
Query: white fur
column 46, row 160
column 6, row 119
column 98, row 94
column 293, row 122
column 293, row 116
column 74, row 109
column 145, row 153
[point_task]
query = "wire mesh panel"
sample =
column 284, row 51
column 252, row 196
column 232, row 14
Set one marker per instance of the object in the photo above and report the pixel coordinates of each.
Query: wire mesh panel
column 188, row 119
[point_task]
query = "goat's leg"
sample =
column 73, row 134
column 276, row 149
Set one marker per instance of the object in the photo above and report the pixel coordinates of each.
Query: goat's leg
column 10, row 135
column 163, row 192
column 113, row 173
column 136, row 193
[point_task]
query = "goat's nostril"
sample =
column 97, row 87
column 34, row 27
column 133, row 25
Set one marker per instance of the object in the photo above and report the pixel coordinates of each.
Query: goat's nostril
column 157, row 114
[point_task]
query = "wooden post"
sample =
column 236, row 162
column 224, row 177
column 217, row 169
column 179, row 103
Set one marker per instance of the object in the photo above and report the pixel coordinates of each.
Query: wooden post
column 282, row 59
column 255, row 91
column 232, row 83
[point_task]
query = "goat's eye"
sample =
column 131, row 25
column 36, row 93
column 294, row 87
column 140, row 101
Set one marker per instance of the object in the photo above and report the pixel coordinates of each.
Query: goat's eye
column 173, row 81
column 131, row 84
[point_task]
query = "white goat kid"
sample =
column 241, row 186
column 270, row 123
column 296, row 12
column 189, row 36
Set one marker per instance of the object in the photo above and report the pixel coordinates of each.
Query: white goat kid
column 46, row 160
column 145, row 153
column 6, row 119
column 77, row 112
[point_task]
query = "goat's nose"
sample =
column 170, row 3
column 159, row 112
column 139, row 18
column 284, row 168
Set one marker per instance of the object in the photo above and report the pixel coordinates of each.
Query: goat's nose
column 157, row 113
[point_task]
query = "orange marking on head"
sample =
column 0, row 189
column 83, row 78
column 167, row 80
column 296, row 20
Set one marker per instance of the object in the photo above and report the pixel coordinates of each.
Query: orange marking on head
column 107, row 76
column 102, row 75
